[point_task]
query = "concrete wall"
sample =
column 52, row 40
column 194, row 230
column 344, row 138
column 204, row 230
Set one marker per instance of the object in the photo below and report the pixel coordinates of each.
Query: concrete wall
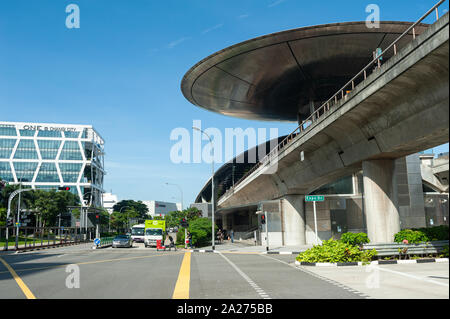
column 413, row 214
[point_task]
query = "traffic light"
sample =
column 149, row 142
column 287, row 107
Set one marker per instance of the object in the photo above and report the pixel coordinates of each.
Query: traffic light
column 263, row 219
column 97, row 218
column 184, row 223
column 64, row 188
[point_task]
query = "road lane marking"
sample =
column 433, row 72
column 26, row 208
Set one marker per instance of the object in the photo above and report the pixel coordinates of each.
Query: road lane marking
column 91, row 262
column 335, row 283
column 19, row 281
column 260, row 291
column 412, row 276
column 181, row 290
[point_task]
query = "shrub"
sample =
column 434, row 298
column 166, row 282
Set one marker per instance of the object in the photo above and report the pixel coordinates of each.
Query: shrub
column 335, row 251
column 355, row 239
column 412, row 236
column 180, row 236
column 436, row 233
column 200, row 229
column 444, row 252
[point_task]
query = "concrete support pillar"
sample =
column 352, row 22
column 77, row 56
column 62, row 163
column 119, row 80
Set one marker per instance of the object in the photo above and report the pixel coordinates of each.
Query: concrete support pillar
column 380, row 200
column 225, row 221
column 293, row 207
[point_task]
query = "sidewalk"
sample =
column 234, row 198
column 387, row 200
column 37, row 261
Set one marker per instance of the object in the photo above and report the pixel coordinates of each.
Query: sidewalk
column 244, row 248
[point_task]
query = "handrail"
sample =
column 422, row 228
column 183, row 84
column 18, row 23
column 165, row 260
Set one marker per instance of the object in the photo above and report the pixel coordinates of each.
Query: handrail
column 326, row 106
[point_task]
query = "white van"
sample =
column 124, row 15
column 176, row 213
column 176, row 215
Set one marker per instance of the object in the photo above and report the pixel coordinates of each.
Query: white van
column 138, row 233
column 152, row 235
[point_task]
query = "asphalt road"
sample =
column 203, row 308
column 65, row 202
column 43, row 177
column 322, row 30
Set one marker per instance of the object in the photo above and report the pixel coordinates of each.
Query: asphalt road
column 138, row 273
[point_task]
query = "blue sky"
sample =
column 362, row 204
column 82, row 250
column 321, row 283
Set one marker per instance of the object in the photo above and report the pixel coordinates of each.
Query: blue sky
column 121, row 72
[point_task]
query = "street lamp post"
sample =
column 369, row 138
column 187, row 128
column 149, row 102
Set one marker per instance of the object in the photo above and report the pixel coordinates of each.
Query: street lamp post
column 212, row 187
column 128, row 215
column 181, row 192
column 81, row 212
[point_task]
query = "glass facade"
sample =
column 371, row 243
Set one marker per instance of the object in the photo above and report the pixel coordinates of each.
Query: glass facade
column 5, row 172
column 343, row 186
column 71, row 151
column 6, row 147
column 71, row 134
column 49, row 134
column 49, row 149
column 26, row 150
column 70, row 171
column 7, row 130
column 47, row 156
column 48, row 173
column 25, row 170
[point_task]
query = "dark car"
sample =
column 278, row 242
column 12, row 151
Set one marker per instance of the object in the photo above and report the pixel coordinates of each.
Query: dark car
column 122, row 241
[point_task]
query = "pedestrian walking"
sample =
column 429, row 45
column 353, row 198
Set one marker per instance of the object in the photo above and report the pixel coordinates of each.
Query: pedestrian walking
column 219, row 235
column 171, row 243
column 232, row 235
column 189, row 235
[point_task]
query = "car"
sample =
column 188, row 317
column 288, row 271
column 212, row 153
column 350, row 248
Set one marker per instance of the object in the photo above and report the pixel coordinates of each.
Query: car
column 122, row 241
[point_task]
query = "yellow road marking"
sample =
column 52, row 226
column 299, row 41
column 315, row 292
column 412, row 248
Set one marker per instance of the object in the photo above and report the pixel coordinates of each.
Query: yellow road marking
column 19, row 281
column 184, row 277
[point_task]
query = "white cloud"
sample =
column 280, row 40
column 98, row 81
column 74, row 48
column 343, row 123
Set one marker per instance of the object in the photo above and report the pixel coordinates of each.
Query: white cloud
column 243, row 16
column 273, row 4
column 213, row 28
column 173, row 44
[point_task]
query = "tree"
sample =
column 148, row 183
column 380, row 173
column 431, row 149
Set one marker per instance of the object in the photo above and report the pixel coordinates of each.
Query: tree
column 2, row 216
column 138, row 206
column 47, row 205
column 173, row 218
column 118, row 221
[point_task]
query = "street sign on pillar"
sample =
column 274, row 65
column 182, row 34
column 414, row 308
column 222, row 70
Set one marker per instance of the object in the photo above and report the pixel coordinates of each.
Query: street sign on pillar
column 314, row 198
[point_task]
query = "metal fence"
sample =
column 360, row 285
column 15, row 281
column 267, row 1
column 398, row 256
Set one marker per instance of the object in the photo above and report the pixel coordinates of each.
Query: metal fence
column 406, row 250
column 33, row 237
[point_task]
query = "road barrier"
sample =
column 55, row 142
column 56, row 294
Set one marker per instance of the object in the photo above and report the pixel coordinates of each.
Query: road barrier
column 41, row 237
column 105, row 242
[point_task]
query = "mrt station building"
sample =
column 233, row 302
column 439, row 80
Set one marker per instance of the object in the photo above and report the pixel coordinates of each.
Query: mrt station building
column 286, row 77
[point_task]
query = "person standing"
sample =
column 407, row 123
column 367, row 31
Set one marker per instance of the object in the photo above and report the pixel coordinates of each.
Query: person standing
column 232, row 235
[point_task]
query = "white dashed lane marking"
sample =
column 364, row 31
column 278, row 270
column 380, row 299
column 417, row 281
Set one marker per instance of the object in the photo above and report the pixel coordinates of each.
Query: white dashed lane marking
column 258, row 290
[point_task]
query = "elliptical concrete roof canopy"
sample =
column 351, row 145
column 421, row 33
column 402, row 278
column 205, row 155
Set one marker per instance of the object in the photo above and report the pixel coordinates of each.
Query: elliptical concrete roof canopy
column 282, row 76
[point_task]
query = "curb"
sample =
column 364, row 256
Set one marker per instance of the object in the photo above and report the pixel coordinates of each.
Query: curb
column 202, row 251
column 24, row 250
column 281, row 252
column 253, row 252
column 101, row 247
column 377, row 262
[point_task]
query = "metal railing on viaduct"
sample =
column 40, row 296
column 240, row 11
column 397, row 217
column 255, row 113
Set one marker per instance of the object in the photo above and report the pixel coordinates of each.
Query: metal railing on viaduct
column 341, row 95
